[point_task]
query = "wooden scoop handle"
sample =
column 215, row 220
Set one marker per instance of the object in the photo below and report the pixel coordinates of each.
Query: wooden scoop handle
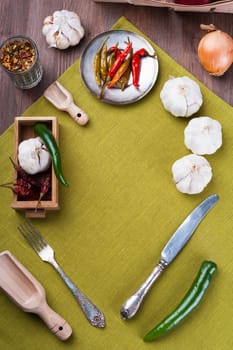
column 57, row 325
column 77, row 114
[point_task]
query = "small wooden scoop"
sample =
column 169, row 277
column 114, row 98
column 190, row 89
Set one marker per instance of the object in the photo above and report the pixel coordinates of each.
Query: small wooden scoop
column 27, row 293
column 63, row 100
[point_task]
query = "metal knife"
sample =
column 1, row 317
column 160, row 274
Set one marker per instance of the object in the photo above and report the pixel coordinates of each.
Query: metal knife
column 170, row 251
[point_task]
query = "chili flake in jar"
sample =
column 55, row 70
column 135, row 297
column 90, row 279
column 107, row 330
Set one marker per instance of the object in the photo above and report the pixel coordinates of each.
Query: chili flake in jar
column 17, row 55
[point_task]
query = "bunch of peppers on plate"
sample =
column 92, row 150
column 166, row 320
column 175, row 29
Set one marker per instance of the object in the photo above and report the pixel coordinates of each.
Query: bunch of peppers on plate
column 113, row 66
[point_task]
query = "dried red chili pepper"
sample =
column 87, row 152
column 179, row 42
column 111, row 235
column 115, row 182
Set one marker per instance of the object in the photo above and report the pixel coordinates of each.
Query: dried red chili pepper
column 21, row 173
column 22, row 188
column 44, row 188
column 136, row 64
column 28, row 187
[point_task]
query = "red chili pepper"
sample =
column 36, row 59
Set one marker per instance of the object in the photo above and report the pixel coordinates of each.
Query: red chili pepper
column 22, row 188
column 142, row 52
column 46, row 184
column 121, row 71
column 44, row 188
column 136, row 64
column 116, row 50
column 122, row 56
column 112, row 48
column 28, row 187
column 21, row 174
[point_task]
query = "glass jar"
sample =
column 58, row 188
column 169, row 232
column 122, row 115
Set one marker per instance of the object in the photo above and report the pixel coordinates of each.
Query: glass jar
column 19, row 58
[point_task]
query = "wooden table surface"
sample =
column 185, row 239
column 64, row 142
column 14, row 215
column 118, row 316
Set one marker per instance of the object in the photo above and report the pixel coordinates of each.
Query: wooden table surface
column 176, row 33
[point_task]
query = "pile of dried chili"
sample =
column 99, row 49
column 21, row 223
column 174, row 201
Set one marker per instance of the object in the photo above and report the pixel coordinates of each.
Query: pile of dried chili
column 17, row 55
column 30, row 187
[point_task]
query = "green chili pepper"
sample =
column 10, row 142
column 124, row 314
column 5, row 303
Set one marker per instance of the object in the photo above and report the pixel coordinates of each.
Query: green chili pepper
column 123, row 81
column 111, row 59
column 188, row 303
column 49, row 140
column 97, row 63
column 97, row 68
column 103, row 62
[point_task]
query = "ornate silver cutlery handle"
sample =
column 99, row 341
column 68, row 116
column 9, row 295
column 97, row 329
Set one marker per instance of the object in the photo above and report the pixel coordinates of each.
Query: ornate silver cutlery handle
column 92, row 313
column 131, row 306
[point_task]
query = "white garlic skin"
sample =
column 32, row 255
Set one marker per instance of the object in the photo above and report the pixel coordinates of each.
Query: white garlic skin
column 203, row 135
column 191, row 174
column 32, row 156
column 181, row 96
column 63, row 29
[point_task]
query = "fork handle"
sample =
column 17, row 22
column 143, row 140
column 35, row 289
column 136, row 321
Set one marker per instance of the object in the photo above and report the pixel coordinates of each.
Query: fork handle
column 92, row 313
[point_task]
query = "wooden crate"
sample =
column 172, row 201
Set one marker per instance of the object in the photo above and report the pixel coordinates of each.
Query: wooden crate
column 224, row 6
column 23, row 130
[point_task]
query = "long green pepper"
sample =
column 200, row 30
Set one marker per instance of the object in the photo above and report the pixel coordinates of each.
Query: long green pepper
column 49, row 140
column 104, row 62
column 98, row 60
column 188, row 303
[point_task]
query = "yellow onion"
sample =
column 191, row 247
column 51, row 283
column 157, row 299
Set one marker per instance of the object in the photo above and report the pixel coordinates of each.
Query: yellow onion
column 215, row 50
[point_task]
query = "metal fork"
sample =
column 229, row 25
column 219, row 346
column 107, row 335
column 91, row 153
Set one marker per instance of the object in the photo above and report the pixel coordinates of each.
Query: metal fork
column 46, row 253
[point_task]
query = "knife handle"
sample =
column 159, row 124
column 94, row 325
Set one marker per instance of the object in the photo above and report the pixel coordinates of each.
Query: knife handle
column 131, row 306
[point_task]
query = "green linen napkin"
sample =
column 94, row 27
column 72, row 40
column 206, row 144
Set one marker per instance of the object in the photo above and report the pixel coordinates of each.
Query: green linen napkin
column 120, row 209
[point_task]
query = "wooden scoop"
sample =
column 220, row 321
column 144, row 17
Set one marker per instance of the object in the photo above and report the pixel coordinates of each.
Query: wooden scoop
column 27, row 293
column 63, row 100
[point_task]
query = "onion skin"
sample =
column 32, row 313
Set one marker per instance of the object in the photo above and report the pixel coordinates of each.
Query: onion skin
column 215, row 51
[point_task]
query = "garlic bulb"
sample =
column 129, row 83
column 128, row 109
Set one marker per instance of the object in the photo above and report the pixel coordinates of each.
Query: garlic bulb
column 203, row 135
column 181, row 96
column 32, row 156
column 63, row 29
column 191, row 174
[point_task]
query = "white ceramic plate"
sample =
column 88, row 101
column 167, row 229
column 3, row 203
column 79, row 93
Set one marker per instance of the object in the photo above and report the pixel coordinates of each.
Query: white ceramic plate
column 148, row 71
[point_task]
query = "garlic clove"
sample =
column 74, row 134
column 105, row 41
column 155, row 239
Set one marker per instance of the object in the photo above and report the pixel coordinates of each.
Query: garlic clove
column 71, row 35
column 74, row 38
column 181, row 96
column 32, row 156
column 75, row 23
column 191, row 174
column 57, row 15
column 48, row 20
column 62, row 42
column 52, row 35
column 47, row 24
column 203, row 135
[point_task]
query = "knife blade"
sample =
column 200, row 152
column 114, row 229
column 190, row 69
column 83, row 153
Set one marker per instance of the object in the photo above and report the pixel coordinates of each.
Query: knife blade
column 168, row 254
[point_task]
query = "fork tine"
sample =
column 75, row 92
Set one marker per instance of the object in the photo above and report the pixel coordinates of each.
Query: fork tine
column 32, row 235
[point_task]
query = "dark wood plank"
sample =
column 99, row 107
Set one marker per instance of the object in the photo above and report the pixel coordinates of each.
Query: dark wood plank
column 176, row 33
